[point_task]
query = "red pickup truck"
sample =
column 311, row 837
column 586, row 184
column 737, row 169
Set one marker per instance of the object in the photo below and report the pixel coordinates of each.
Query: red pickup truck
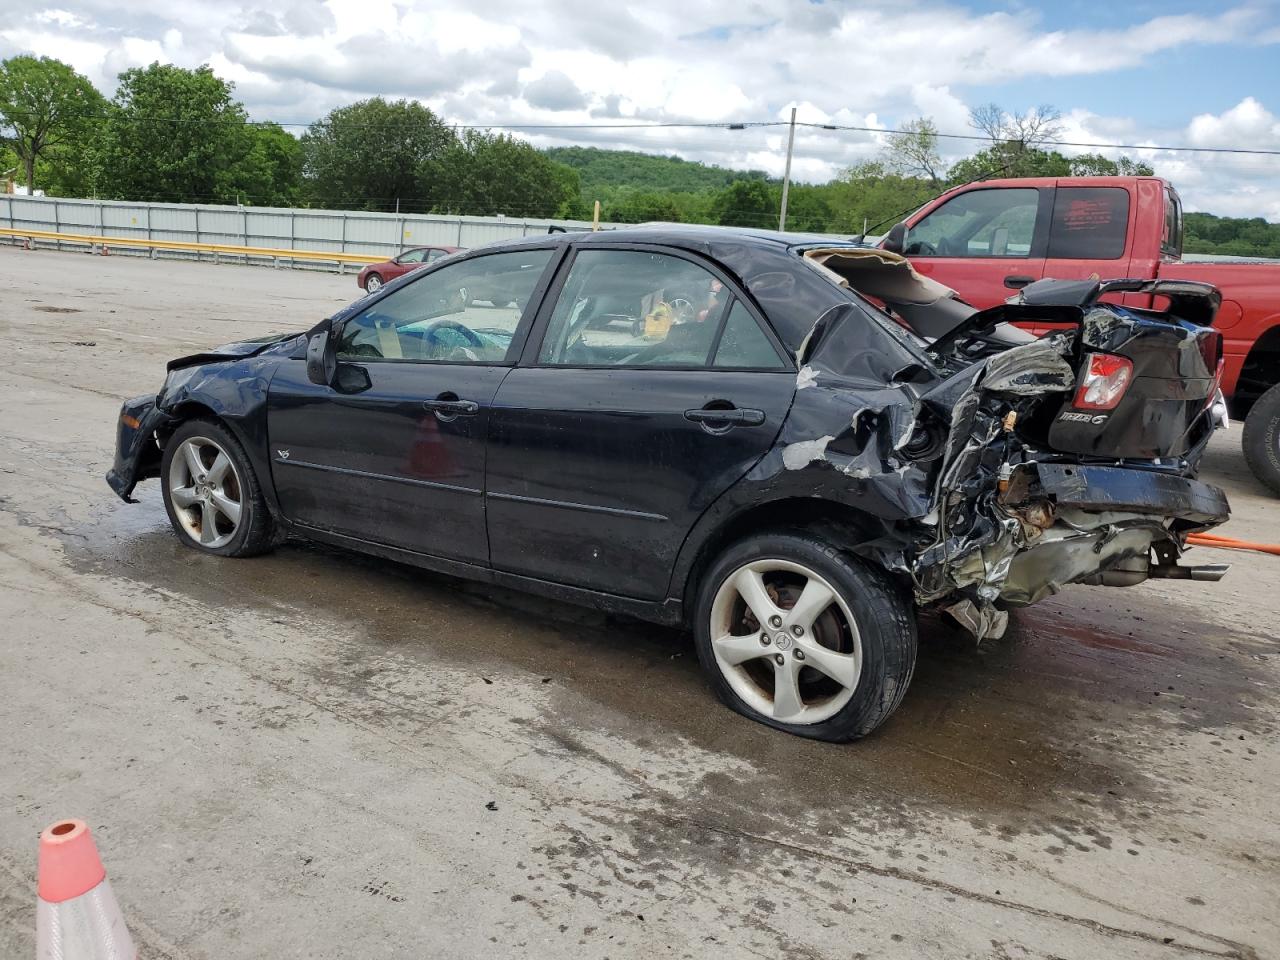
column 987, row 239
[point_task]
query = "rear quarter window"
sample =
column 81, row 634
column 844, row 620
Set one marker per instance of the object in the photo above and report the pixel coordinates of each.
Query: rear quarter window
column 1089, row 223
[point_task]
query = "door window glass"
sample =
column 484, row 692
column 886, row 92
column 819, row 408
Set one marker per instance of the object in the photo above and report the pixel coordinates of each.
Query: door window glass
column 462, row 313
column 1171, row 240
column 744, row 344
column 411, row 256
column 632, row 308
column 979, row 223
column 1089, row 223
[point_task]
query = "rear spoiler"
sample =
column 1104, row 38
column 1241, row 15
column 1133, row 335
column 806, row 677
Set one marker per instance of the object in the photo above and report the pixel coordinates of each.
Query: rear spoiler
column 1189, row 300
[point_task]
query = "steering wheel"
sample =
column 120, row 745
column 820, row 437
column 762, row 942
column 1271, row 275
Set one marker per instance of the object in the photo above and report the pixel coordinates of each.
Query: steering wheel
column 467, row 334
column 681, row 310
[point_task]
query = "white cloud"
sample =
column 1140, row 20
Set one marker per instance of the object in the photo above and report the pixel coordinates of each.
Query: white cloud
column 578, row 61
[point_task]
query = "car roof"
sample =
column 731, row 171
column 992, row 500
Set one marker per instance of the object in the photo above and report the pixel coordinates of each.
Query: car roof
column 765, row 262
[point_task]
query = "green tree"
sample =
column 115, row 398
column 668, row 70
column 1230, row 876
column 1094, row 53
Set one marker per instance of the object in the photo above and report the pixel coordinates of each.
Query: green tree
column 269, row 173
column 174, row 134
column 870, row 195
column 642, row 206
column 45, row 107
column 1096, row 165
column 745, row 203
column 484, row 173
column 913, row 151
column 372, row 154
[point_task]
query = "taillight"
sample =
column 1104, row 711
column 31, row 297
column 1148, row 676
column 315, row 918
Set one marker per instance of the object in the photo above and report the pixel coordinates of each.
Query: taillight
column 1106, row 378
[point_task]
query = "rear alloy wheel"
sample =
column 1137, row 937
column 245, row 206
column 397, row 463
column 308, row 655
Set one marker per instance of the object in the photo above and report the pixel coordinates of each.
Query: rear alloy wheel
column 212, row 497
column 798, row 636
column 372, row 283
column 1262, row 439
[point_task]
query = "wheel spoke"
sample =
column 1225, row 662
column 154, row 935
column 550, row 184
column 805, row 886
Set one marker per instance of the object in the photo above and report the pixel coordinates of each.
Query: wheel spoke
column 840, row 667
column 815, row 598
column 735, row 650
column 183, row 496
column 192, row 457
column 750, row 585
column 221, row 463
column 228, row 507
column 208, row 522
column 786, row 691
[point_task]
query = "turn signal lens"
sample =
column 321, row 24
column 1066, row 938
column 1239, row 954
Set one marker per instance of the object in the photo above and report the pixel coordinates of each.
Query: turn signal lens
column 131, row 422
column 1106, row 378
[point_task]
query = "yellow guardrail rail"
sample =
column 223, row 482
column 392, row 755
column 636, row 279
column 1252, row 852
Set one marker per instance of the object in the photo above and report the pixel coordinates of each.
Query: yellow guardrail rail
column 232, row 249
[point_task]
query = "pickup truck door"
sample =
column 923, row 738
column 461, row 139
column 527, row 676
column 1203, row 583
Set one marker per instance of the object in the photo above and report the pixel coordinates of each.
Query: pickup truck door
column 985, row 243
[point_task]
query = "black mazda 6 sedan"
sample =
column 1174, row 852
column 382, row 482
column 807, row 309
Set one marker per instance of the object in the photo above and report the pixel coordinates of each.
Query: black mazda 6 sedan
column 785, row 443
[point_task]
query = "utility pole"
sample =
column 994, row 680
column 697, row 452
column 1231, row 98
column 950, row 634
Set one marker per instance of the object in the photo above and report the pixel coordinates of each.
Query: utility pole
column 786, row 174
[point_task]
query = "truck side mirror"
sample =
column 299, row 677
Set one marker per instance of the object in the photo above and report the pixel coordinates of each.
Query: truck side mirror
column 895, row 241
column 322, row 357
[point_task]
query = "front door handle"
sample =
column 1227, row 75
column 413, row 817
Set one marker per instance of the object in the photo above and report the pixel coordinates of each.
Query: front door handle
column 1016, row 281
column 738, row 416
column 448, row 405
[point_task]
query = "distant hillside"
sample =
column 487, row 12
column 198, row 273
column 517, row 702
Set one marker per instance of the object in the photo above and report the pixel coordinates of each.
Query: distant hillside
column 601, row 171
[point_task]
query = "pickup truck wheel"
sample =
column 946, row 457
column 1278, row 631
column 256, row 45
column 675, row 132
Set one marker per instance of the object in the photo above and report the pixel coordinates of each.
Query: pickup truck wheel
column 801, row 637
column 1262, row 439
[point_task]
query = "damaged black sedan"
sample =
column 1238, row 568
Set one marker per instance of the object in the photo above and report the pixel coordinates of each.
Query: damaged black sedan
column 785, row 444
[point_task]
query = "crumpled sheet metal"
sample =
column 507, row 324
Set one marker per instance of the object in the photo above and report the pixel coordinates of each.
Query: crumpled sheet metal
column 879, row 273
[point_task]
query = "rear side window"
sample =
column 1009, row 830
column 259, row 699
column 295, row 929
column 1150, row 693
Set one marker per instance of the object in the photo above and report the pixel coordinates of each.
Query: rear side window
column 631, row 308
column 744, row 344
column 1089, row 223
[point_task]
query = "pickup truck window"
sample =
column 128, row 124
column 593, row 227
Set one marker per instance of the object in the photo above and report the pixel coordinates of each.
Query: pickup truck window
column 978, row 223
column 1089, row 223
column 1171, row 240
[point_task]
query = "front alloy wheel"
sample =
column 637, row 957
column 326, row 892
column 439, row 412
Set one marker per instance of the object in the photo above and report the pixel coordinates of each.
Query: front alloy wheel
column 205, row 491
column 211, row 493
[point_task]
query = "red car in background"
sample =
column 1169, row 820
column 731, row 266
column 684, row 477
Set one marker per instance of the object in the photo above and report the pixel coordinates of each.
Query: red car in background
column 372, row 277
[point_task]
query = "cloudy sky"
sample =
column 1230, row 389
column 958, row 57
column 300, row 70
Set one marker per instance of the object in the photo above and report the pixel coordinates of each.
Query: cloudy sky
column 1161, row 73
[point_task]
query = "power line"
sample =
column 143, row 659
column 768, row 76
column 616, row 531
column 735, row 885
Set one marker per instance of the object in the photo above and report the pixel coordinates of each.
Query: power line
column 690, row 125
column 1048, row 143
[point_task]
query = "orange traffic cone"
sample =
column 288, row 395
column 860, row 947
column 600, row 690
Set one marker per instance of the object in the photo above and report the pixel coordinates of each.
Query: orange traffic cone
column 77, row 917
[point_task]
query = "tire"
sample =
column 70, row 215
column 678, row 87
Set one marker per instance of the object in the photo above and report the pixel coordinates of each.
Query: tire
column 1262, row 439
column 864, row 636
column 214, row 507
column 372, row 283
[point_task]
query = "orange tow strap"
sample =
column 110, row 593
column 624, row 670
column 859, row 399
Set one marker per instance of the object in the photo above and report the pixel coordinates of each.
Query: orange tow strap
column 1231, row 543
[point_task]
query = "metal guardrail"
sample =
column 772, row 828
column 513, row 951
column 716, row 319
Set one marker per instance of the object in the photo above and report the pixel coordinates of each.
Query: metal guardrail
column 266, row 253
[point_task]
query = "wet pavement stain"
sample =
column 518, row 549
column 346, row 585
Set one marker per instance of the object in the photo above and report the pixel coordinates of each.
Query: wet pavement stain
column 1016, row 735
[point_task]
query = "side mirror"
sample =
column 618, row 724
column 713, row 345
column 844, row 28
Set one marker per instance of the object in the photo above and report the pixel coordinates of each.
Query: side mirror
column 322, row 357
column 895, row 241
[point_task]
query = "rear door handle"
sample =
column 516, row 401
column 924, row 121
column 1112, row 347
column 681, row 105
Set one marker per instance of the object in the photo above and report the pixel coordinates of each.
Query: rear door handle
column 743, row 416
column 1016, row 281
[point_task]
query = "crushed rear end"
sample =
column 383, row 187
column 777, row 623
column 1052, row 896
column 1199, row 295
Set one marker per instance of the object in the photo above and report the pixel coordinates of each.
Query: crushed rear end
column 1027, row 464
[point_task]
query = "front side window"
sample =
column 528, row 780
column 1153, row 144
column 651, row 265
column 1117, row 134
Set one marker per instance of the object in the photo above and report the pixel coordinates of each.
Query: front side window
column 633, row 308
column 411, row 256
column 1171, row 241
column 465, row 312
column 979, row 223
column 1089, row 223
